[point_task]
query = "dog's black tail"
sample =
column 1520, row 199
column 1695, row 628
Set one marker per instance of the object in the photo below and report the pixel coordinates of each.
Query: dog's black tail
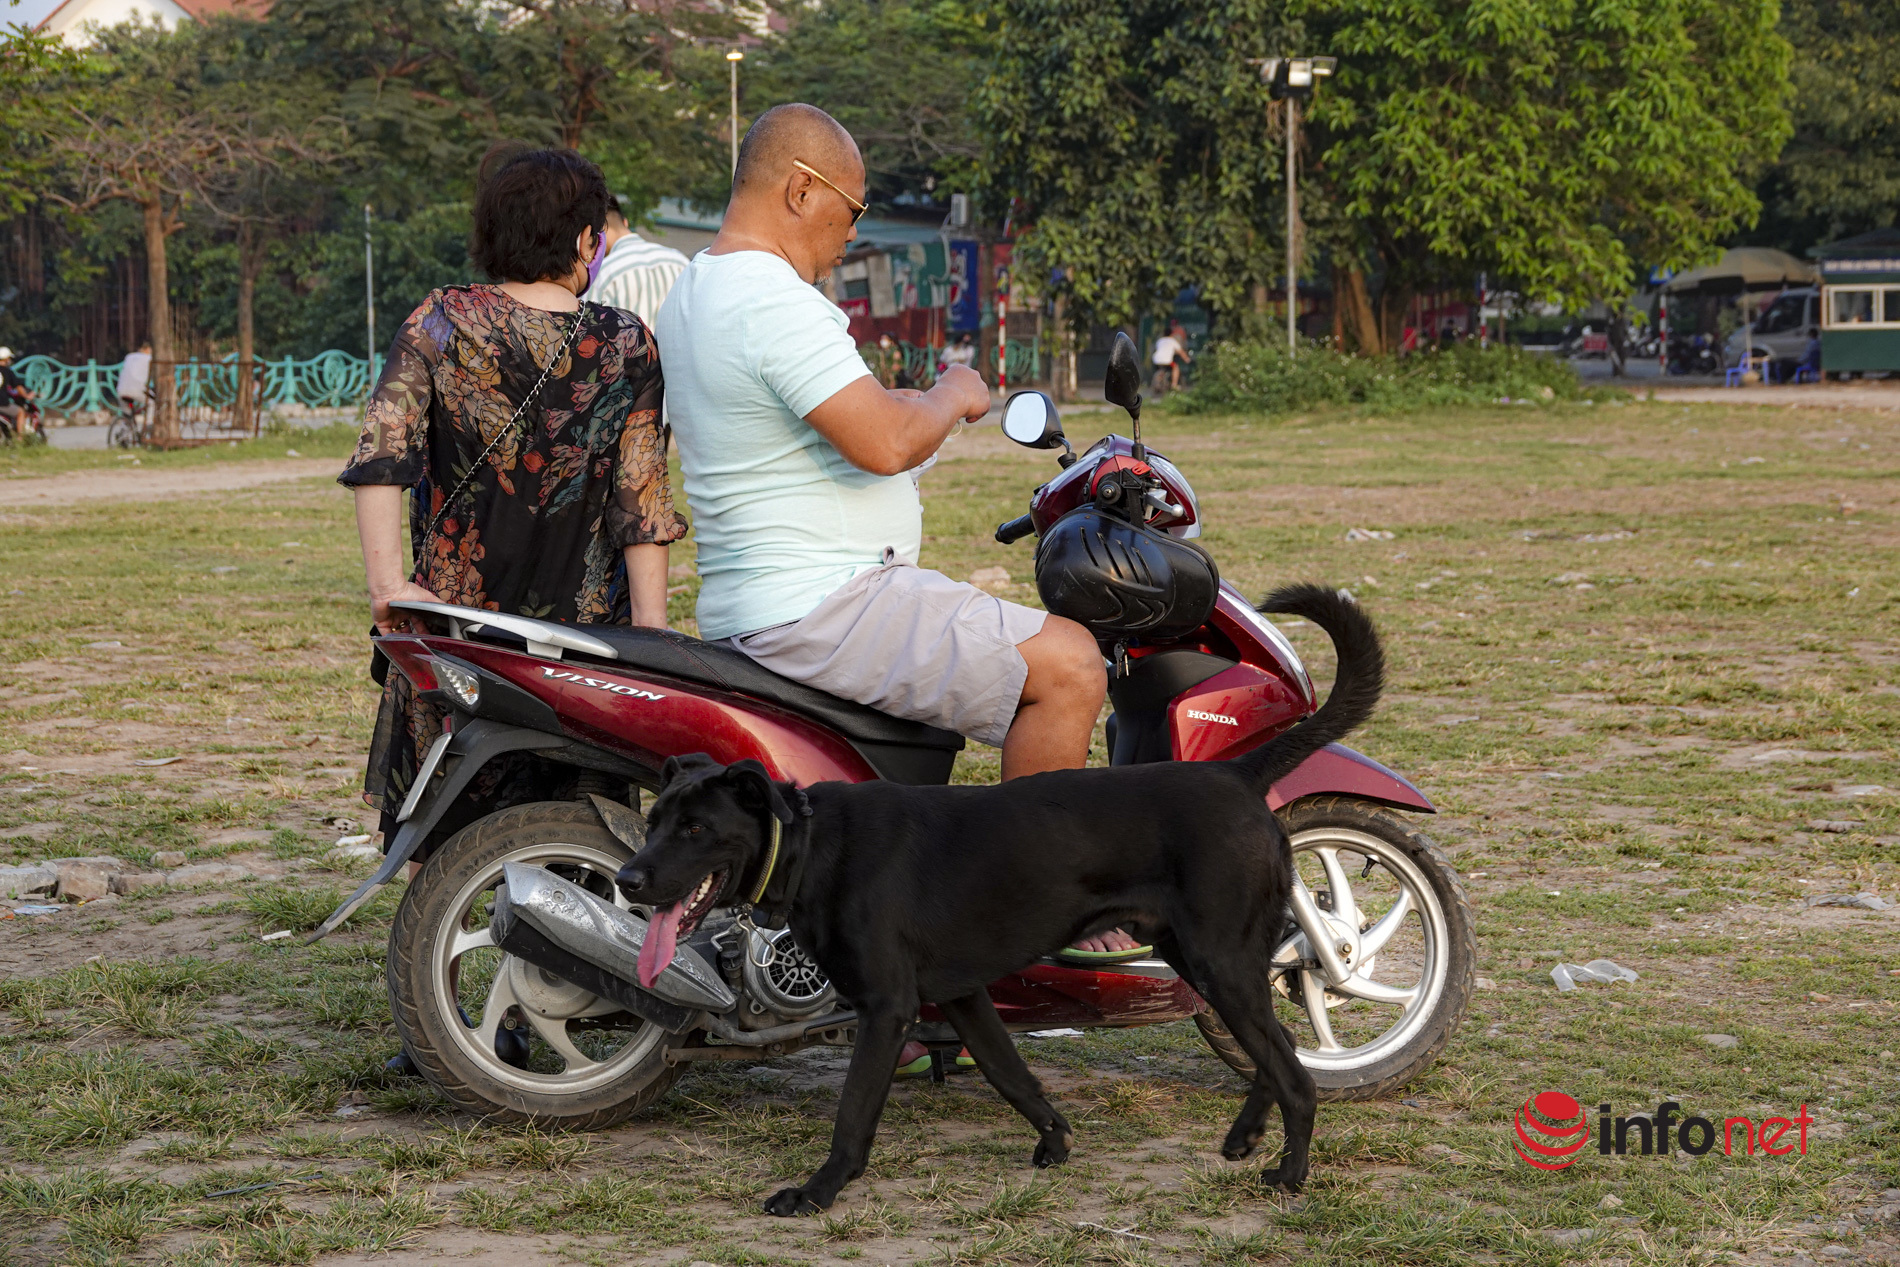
column 1356, row 685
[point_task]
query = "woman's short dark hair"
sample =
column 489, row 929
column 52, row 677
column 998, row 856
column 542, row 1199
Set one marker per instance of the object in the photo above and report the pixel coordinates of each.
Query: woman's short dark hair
column 530, row 206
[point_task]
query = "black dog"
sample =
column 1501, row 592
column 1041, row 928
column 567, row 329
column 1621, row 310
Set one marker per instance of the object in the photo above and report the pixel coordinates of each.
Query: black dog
column 909, row 895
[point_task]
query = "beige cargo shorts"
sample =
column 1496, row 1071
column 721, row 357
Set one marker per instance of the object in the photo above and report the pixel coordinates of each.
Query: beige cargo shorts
column 912, row 643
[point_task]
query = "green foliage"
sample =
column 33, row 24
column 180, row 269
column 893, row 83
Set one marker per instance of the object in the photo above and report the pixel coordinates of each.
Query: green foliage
column 1258, row 374
column 897, row 73
column 37, row 74
column 1840, row 174
column 1132, row 135
column 1552, row 143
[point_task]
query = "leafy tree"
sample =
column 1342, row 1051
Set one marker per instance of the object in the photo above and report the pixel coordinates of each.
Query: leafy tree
column 1550, row 143
column 37, row 74
column 1132, row 136
column 900, row 74
column 147, row 132
column 1840, row 173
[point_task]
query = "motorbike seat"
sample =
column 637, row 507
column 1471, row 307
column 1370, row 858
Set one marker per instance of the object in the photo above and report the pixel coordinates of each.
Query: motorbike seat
column 675, row 655
column 900, row 751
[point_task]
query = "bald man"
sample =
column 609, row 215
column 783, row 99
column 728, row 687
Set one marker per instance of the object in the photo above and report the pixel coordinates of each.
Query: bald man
column 799, row 469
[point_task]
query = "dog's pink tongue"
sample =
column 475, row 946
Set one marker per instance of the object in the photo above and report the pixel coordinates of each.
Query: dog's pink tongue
column 656, row 949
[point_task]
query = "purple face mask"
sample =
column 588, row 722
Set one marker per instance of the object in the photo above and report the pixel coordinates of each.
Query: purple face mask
column 600, row 254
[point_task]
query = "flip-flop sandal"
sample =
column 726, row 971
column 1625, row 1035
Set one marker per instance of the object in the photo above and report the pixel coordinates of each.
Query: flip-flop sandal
column 918, row 1068
column 966, row 1063
column 1070, row 954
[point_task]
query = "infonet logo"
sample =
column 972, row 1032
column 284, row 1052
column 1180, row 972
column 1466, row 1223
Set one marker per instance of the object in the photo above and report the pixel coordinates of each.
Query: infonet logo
column 1551, row 1129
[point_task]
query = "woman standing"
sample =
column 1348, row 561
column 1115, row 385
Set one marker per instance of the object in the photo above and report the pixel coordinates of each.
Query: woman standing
column 527, row 423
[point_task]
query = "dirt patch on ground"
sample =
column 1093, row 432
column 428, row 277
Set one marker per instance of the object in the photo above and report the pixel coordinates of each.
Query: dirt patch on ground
column 139, row 484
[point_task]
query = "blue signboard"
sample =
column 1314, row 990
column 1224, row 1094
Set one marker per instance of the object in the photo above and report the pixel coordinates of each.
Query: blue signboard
column 963, row 313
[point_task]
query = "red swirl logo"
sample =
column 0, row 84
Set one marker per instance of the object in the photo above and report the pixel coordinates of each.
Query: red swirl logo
column 1558, row 1118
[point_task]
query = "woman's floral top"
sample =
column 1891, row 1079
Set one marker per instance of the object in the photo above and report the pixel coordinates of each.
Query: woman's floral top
column 540, row 529
column 582, row 474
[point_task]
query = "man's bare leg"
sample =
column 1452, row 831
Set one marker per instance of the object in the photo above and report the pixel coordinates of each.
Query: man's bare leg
column 1061, row 700
column 1062, row 697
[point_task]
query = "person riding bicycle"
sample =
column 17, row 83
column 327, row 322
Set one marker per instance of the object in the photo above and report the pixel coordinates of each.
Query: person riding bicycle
column 1171, row 354
column 134, row 374
column 15, row 397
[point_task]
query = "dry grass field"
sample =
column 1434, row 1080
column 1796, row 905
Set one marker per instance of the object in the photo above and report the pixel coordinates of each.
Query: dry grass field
column 1637, row 651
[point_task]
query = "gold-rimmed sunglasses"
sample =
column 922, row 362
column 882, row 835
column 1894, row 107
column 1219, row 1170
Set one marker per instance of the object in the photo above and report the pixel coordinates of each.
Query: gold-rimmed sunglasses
column 857, row 208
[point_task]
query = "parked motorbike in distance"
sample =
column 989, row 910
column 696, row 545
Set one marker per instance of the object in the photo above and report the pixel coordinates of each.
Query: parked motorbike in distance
column 515, row 923
column 1694, row 354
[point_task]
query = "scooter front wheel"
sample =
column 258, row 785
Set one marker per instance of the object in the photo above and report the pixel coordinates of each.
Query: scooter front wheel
column 1390, row 897
column 585, row 1063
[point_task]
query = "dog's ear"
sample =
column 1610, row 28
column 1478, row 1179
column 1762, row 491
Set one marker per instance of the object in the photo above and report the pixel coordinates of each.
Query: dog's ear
column 757, row 787
column 676, row 766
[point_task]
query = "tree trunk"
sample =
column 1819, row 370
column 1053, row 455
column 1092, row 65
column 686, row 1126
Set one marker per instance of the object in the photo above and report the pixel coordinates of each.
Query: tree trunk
column 1353, row 309
column 159, row 321
column 250, row 260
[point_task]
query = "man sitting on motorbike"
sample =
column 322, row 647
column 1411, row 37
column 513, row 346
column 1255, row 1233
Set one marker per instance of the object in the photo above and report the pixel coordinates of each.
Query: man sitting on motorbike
column 801, row 469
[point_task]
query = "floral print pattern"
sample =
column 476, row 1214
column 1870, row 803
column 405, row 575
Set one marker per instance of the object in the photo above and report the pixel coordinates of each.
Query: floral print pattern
column 539, row 531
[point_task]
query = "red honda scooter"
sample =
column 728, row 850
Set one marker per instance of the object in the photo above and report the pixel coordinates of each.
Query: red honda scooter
column 515, row 923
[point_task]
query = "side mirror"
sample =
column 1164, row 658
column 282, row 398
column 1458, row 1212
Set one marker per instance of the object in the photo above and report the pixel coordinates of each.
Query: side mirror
column 1121, row 385
column 1031, row 420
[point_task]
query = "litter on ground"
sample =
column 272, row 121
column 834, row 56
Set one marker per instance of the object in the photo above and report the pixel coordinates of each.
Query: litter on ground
column 1569, row 976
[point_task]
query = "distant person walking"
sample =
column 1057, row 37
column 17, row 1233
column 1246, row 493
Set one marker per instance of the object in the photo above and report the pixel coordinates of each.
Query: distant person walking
column 637, row 274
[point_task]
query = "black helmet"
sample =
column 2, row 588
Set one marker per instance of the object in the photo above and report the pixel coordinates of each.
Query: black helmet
column 1124, row 580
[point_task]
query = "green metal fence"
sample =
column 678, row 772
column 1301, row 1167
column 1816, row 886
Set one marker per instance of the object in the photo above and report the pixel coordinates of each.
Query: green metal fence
column 334, row 379
column 920, row 361
column 328, row 380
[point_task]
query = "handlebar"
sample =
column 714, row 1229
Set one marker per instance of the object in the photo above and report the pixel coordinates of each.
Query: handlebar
column 1015, row 530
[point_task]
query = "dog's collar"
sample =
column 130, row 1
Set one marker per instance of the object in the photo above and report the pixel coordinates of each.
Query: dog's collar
column 771, row 862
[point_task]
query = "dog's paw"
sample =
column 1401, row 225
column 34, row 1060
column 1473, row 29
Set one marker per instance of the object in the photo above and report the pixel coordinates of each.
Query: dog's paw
column 1240, row 1144
column 1053, row 1150
column 1283, row 1178
column 789, row 1203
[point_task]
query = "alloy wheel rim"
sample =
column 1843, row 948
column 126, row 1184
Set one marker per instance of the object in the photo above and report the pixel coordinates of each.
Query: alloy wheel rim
column 542, row 1002
column 1366, row 936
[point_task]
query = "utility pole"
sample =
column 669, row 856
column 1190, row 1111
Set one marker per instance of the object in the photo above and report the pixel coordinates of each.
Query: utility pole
column 733, row 58
column 1292, row 230
column 1292, row 80
column 369, row 292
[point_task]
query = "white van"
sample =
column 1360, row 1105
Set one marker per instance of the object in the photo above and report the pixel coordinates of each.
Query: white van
column 1784, row 331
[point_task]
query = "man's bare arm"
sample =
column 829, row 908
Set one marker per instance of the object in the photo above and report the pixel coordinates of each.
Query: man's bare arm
column 885, row 432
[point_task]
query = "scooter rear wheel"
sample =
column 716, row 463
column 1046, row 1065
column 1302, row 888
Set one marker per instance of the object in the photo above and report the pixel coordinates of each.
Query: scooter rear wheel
column 589, row 1065
column 1415, row 952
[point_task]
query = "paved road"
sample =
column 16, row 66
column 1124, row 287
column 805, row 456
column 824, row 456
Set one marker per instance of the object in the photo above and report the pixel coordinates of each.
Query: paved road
column 147, row 484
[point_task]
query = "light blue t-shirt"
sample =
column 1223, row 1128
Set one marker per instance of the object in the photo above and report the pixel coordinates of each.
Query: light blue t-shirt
column 782, row 520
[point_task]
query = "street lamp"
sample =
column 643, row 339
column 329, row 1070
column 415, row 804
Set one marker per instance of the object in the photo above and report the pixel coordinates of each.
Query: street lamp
column 733, row 58
column 1293, row 79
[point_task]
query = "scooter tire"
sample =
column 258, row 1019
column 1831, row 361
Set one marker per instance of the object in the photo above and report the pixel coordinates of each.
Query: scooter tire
column 1390, row 1074
column 470, row 856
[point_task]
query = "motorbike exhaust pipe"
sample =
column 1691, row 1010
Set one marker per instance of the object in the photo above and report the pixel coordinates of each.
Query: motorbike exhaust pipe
column 562, row 928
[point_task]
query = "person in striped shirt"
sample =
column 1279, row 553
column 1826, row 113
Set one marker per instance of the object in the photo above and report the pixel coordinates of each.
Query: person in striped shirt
column 637, row 273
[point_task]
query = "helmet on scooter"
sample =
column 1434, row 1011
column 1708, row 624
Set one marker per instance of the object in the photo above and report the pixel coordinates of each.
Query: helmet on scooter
column 1124, row 580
